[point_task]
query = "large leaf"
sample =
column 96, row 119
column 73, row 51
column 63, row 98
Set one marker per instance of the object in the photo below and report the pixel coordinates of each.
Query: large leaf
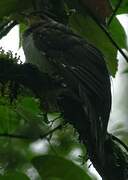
column 8, row 7
column 54, row 167
column 123, row 9
column 6, row 27
column 101, row 9
column 87, row 28
column 118, row 33
column 14, row 176
column 30, row 105
column 8, row 119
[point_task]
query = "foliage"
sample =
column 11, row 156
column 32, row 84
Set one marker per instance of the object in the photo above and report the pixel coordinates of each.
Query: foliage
column 26, row 130
column 44, row 165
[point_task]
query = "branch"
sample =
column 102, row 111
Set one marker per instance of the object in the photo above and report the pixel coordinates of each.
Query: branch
column 18, row 136
column 15, row 136
column 27, row 75
column 114, row 12
column 103, row 28
column 113, row 42
column 6, row 26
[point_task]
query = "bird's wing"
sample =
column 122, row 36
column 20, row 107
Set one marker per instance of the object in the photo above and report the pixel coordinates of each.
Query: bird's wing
column 71, row 53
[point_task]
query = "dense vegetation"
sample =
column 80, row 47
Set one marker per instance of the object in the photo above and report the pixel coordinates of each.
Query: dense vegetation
column 40, row 145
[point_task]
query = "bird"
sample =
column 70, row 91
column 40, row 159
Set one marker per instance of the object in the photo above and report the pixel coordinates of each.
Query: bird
column 85, row 100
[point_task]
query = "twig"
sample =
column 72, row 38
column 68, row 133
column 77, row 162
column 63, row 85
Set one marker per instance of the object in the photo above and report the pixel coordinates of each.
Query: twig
column 114, row 12
column 51, row 146
column 50, row 132
column 17, row 136
column 114, row 43
column 102, row 27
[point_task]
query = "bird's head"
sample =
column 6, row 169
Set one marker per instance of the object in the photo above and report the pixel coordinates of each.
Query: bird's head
column 37, row 17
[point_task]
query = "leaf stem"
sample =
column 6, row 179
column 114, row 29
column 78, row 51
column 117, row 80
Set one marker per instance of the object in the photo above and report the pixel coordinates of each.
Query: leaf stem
column 104, row 29
column 114, row 12
column 114, row 42
column 17, row 136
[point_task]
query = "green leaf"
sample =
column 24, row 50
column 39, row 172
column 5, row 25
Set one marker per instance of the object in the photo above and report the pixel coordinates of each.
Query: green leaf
column 30, row 105
column 118, row 33
column 22, row 28
column 14, row 176
column 100, row 9
column 6, row 28
column 55, row 167
column 87, row 28
column 8, row 7
column 123, row 9
column 8, row 119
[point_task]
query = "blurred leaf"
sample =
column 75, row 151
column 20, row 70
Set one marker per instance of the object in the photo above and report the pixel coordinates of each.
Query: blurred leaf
column 101, row 9
column 123, row 9
column 13, row 153
column 8, row 7
column 30, row 105
column 8, row 119
column 3, row 23
column 6, row 28
column 29, row 110
column 125, row 70
column 14, row 176
column 22, row 28
column 87, row 28
column 50, row 167
column 22, row 118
